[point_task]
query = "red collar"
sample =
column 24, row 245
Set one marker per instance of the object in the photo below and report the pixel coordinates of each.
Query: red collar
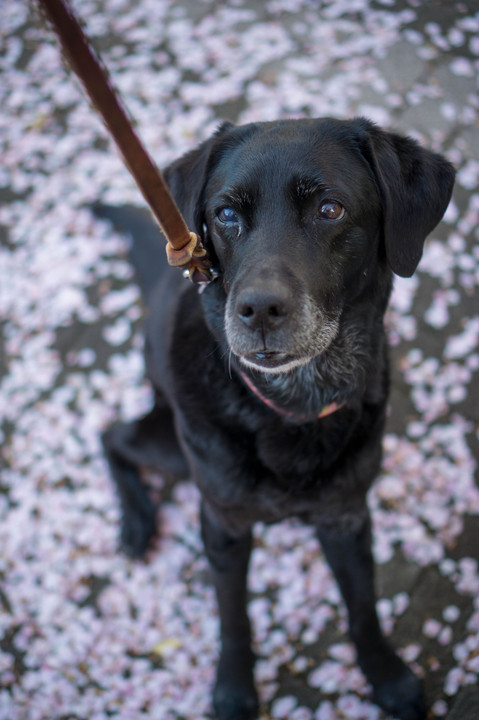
column 327, row 409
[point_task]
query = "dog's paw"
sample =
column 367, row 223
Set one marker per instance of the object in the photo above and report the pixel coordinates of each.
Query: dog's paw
column 235, row 696
column 232, row 702
column 137, row 530
column 402, row 697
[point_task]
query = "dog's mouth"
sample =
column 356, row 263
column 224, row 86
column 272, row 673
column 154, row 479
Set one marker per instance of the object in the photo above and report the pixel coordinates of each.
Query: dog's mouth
column 272, row 361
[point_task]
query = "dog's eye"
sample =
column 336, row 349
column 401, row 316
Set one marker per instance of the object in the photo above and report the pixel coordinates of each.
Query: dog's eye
column 331, row 210
column 227, row 216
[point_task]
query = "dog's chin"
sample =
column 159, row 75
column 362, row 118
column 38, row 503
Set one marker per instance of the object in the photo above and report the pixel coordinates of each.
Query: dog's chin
column 273, row 363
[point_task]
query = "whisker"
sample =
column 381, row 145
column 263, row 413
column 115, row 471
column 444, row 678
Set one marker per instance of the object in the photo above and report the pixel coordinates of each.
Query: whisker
column 227, row 353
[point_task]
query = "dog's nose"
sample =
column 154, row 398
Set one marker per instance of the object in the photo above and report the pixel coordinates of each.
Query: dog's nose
column 262, row 307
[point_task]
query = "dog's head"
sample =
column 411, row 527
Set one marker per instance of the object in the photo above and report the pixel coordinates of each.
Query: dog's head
column 303, row 219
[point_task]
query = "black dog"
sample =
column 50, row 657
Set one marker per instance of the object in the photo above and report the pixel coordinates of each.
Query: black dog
column 271, row 385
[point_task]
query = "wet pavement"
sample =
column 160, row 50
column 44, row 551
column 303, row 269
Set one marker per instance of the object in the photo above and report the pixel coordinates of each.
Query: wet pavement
column 84, row 632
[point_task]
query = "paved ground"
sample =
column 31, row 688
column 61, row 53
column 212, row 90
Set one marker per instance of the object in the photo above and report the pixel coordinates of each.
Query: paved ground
column 85, row 633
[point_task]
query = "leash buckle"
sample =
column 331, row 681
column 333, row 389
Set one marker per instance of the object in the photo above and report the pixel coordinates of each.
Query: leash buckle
column 201, row 277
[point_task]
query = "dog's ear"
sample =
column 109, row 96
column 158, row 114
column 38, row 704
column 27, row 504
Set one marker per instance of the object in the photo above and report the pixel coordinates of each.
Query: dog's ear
column 187, row 176
column 415, row 186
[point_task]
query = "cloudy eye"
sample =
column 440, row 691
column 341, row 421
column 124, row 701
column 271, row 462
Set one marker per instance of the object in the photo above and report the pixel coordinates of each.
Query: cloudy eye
column 331, row 210
column 227, row 216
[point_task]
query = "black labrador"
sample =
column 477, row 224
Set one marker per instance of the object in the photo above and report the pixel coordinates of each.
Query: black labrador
column 271, row 384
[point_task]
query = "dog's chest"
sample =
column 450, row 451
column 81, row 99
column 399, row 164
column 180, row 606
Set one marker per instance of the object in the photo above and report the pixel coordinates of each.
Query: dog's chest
column 277, row 474
column 290, row 452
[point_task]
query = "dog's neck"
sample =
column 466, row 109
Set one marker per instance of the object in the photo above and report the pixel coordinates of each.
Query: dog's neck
column 319, row 387
column 324, row 412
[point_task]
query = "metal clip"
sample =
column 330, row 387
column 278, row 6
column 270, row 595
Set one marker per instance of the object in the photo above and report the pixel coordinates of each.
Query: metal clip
column 200, row 278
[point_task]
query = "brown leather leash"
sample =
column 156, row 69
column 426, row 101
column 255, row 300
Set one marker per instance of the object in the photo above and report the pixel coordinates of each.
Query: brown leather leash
column 184, row 248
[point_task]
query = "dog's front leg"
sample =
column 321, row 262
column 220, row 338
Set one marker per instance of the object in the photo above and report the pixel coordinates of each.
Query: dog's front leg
column 234, row 696
column 396, row 689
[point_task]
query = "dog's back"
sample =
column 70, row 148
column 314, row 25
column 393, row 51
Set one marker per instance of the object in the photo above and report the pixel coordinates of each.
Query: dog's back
column 147, row 248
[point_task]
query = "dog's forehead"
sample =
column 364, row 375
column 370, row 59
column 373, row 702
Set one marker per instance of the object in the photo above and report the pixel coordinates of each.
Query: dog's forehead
column 276, row 153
